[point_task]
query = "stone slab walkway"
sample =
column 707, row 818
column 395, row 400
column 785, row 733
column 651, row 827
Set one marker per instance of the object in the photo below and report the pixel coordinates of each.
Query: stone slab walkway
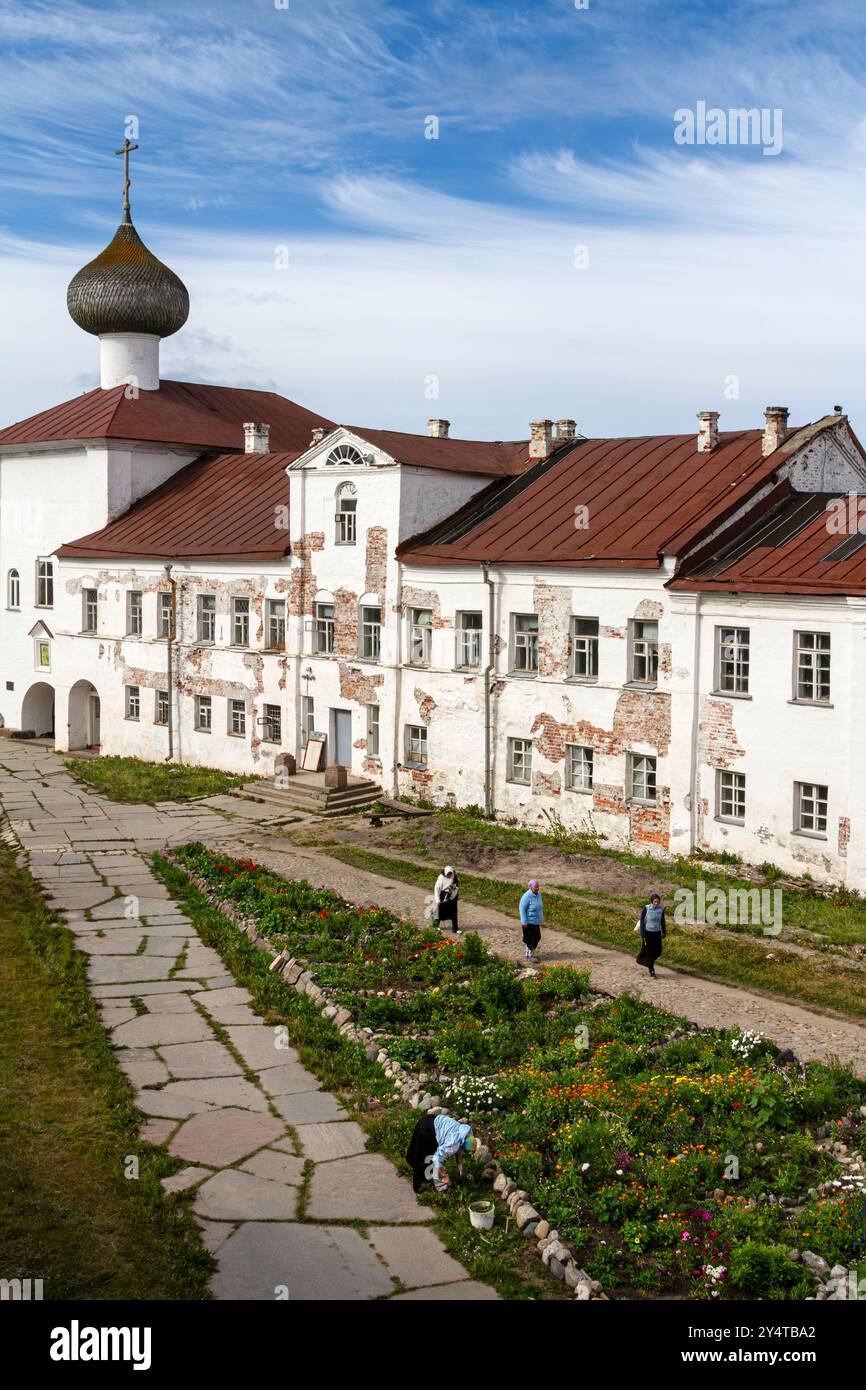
column 710, row 1005
column 288, row 1199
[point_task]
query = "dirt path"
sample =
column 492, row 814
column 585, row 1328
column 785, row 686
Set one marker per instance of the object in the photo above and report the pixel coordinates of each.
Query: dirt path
column 809, row 1035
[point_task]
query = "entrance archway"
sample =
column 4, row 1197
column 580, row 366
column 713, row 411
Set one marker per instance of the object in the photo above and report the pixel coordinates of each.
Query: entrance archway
column 84, row 716
column 37, row 710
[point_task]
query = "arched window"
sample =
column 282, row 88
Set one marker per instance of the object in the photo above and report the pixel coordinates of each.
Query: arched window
column 346, row 514
column 13, row 590
column 343, row 454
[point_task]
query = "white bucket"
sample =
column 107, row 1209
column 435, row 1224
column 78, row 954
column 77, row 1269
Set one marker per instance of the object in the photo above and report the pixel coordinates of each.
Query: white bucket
column 482, row 1215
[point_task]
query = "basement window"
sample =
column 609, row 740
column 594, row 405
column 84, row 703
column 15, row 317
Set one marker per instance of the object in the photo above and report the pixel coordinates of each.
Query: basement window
column 642, row 779
column 810, row 808
column 203, row 713
column 731, row 797
column 520, row 761
column 416, row 745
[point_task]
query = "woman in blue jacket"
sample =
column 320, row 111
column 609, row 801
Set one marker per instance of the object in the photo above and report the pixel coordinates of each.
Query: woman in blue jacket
column 652, row 932
column 531, row 918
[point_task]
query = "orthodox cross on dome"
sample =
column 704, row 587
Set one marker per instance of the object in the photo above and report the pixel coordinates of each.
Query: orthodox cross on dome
column 125, row 149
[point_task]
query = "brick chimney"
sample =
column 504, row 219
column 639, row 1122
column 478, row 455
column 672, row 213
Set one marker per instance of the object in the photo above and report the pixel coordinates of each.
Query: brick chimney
column 541, row 439
column 438, row 429
column 775, row 427
column 566, row 431
column 256, row 438
column 708, row 433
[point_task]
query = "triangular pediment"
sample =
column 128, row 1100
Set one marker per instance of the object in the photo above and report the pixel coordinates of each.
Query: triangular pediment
column 40, row 630
column 342, row 451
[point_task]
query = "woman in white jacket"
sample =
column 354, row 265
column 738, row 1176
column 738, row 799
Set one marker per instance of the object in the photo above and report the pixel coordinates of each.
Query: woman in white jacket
column 445, row 893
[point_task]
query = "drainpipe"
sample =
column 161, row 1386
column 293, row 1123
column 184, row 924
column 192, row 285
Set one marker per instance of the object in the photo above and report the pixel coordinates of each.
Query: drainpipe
column 396, row 750
column 696, row 719
column 168, row 641
column 488, row 674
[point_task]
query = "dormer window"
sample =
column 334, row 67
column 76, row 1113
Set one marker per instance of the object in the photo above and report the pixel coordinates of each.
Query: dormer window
column 344, row 454
column 346, row 515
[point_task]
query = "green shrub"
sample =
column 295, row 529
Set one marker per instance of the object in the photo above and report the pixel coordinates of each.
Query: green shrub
column 764, row 1271
column 498, row 991
column 563, row 981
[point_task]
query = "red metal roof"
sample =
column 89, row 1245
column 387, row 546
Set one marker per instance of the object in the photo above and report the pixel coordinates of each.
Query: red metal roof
column 180, row 412
column 496, row 458
column 222, row 508
column 644, row 497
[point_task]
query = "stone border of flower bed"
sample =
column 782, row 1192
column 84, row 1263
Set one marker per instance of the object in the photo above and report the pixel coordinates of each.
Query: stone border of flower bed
column 559, row 1261
column 556, row 1256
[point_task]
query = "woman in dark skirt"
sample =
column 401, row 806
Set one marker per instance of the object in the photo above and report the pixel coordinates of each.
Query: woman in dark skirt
column 446, row 893
column 652, row 932
column 434, row 1140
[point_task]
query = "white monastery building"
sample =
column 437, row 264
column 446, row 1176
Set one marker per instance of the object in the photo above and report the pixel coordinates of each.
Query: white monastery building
column 662, row 637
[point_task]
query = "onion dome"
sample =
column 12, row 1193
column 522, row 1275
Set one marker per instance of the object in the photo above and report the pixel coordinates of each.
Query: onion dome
column 127, row 290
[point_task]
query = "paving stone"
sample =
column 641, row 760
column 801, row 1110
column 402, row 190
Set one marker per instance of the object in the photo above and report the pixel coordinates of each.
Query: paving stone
column 218, row 981
column 227, row 1015
column 326, row 1141
column 289, row 1079
column 313, row 1263
column 115, row 1014
column 81, row 895
column 235, row 1196
column 168, row 1106
column 142, row 1066
column 118, row 990
column 191, row 1060
column 278, row 1167
column 286, row 1146
column 364, row 1188
column 117, row 943
column 222, row 1091
column 214, row 1234
column 258, row 1046
column 220, row 1137
column 309, row 1107
column 468, row 1291
column 157, row 1131
column 164, row 945
column 168, row 1003
column 187, row 1177
column 415, row 1257
column 110, row 909
column 106, row 970
column 153, row 1030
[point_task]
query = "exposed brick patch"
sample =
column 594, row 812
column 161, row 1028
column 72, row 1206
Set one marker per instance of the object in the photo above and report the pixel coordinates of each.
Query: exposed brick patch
column 372, row 766
column 302, row 582
column 609, row 800
column 649, row 608
column 619, row 632
column 411, row 597
column 665, row 659
column 844, row 836
column 651, row 825
column 345, row 623
column 552, row 603
column 359, row 686
column 376, row 562
column 426, row 706
column 550, row 736
column 547, row 783
column 642, row 716
column 718, row 744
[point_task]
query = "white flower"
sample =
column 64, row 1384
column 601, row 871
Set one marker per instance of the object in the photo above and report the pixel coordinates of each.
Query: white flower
column 583, row 1167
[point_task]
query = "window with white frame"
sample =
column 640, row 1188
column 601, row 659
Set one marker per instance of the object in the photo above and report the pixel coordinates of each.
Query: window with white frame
column 240, row 622
column 324, row 629
column 731, row 796
column 44, row 583
column 584, row 648
column 308, row 718
column 420, row 636
column 275, row 623
column 42, row 654
column 13, row 589
column 237, row 718
column 810, row 808
column 203, row 713
column 416, row 745
column 206, row 629
column 165, row 613
column 344, row 454
column 133, row 613
column 520, row 760
column 643, row 651
column 346, row 520
column 160, row 712
column 272, row 728
column 373, row 731
column 642, row 778
column 578, row 767
column 89, row 610
column 524, row 643
column 133, row 702
column 732, row 660
column 469, row 629
column 371, row 633
column 812, row 666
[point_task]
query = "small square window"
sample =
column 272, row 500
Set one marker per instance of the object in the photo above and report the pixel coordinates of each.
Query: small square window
column 810, row 808
column 642, row 778
column 731, row 796
column 520, row 761
column 578, row 767
column 416, row 745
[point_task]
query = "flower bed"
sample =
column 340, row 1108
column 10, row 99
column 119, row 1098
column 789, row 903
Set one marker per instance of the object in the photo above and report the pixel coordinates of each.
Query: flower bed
column 664, row 1158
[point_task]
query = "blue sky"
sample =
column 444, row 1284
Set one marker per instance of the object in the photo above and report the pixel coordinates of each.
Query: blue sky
column 713, row 277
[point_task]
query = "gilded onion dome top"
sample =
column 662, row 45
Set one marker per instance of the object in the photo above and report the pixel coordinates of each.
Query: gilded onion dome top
column 127, row 290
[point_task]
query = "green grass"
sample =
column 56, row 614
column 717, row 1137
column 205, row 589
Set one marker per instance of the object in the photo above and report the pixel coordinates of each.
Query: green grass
column 826, row 987
column 342, row 1066
column 132, row 780
column 69, row 1216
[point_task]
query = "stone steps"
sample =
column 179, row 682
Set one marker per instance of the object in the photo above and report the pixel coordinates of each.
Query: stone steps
column 299, row 796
